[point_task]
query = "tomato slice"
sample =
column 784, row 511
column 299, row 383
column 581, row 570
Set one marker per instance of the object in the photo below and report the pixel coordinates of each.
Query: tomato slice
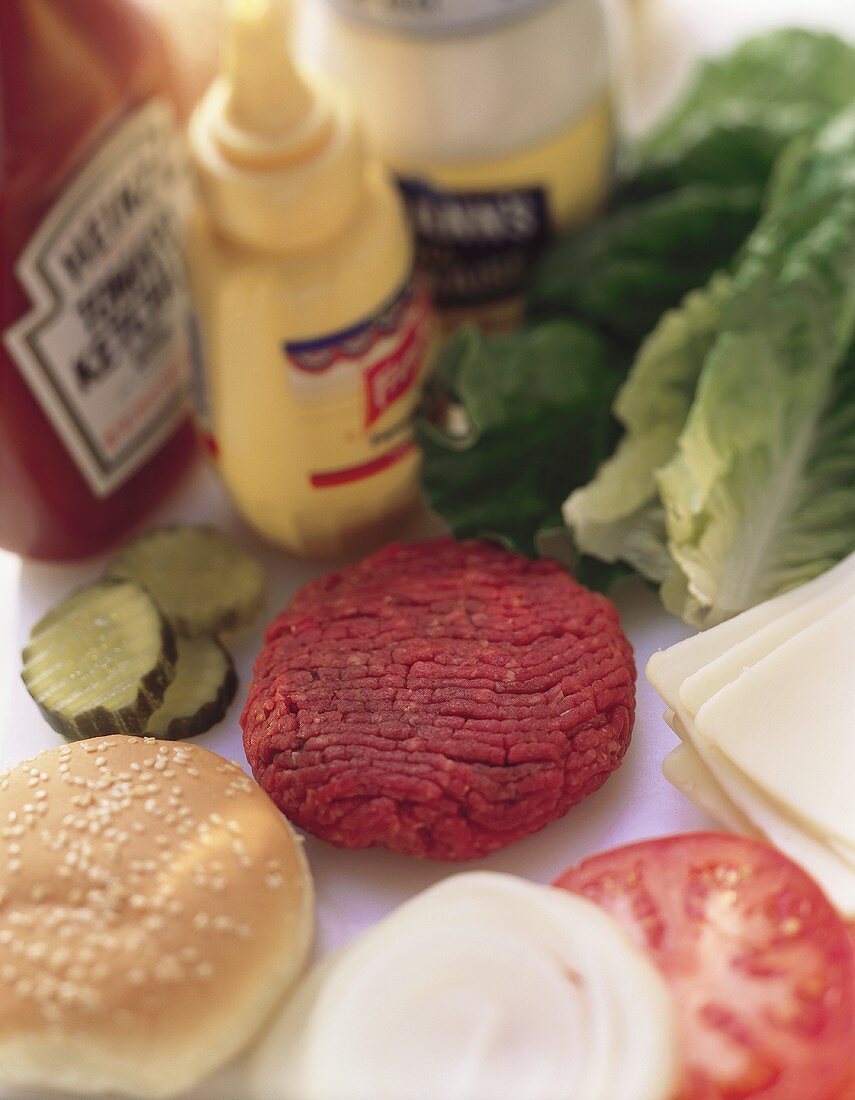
column 761, row 966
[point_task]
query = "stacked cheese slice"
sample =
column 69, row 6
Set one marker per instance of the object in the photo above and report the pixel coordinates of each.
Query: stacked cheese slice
column 765, row 707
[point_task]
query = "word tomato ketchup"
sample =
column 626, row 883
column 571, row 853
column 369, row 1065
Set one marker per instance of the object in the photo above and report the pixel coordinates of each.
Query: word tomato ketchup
column 94, row 313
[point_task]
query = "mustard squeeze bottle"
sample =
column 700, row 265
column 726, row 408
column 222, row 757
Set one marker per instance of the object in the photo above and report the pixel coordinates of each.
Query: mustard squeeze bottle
column 313, row 334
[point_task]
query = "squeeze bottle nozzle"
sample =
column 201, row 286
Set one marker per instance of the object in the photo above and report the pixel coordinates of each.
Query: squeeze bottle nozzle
column 270, row 116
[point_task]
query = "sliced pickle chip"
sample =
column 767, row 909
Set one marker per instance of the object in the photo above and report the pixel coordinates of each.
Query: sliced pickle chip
column 100, row 661
column 205, row 684
column 202, row 582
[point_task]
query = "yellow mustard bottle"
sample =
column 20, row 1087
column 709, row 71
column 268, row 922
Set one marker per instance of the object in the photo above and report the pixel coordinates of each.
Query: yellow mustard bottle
column 313, row 334
column 496, row 117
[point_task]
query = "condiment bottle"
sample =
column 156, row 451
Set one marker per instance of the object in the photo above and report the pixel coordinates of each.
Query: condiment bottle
column 313, row 332
column 496, row 117
column 94, row 361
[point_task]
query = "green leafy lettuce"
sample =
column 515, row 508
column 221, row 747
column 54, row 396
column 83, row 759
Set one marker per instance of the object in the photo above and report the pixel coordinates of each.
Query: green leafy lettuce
column 736, row 476
column 693, row 189
column 513, row 418
column 622, row 273
column 723, row 271
column 760, row 494
column 744, row 109
column 618, row 516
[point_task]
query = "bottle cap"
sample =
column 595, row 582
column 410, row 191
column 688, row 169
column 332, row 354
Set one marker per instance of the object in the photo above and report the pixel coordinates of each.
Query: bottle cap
column 278, row 155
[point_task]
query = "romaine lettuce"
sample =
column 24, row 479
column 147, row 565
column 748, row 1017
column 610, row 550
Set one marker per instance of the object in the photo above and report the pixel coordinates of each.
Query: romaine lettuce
column 618, row 516
column 736, row 474
column 743, row 110
column 760, row 495
column 736, row 477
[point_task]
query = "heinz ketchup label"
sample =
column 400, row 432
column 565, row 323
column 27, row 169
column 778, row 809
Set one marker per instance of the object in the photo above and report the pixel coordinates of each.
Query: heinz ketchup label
column 104, row 345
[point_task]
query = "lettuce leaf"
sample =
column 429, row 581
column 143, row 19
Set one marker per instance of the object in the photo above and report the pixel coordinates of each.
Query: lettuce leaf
column 510, row 422
column 618, row 516
column 760, row 495
column 743, row 109
column 623, row 272
column 692, row 191
column 740, row 192
column 668, row 501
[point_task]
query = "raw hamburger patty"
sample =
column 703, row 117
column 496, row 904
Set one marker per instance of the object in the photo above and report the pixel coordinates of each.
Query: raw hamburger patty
column 441, row 699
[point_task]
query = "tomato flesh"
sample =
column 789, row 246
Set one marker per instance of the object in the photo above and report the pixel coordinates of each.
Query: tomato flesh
column 761, row 966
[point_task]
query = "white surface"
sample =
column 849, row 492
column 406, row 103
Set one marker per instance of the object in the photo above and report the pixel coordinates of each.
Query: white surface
column 355, row 889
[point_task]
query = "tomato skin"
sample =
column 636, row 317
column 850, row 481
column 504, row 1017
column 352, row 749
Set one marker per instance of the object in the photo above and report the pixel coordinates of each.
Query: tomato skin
column 760, row 964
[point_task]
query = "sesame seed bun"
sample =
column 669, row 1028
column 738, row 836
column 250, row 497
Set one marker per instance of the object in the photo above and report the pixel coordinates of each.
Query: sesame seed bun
column 154, row 909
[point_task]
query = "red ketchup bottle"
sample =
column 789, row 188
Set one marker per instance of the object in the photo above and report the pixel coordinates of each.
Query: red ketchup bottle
column 94, row 313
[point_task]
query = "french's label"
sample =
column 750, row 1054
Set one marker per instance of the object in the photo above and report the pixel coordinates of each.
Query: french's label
column 104, row 347
column 434, row 17
column 476, row 248
column 379, row 359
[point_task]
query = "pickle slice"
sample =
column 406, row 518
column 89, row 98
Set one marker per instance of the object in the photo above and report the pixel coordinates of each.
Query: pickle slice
column 199, row 696
column 201, row 581
column 100, row 661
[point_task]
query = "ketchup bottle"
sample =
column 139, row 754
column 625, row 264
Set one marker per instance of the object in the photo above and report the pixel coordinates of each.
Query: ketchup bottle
column 94, row 313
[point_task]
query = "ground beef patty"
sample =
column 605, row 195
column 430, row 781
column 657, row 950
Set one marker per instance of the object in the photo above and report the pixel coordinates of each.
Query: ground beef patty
column 441, row 699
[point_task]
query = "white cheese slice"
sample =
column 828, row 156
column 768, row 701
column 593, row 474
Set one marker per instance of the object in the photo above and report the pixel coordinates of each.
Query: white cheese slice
column 683, row 768
column 726, row 668
column 668, row 669
column 834, row 873
column 788, row 724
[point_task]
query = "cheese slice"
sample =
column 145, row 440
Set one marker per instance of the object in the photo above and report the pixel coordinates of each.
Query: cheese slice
column 726, row 668
column 788, row 724
column 668, row 669
column 730, row 795
column 685, row 770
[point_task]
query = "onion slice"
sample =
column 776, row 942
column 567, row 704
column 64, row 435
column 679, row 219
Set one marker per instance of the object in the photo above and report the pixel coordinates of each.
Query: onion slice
column 484, row 987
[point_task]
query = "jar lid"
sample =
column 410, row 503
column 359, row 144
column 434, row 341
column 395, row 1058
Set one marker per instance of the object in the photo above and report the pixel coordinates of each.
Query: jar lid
column 437, row 17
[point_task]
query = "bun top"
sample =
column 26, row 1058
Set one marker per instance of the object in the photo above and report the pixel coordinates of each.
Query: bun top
column 151, row 891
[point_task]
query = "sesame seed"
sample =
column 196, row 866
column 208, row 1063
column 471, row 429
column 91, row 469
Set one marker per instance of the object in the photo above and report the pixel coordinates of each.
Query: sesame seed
column 168, row 969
